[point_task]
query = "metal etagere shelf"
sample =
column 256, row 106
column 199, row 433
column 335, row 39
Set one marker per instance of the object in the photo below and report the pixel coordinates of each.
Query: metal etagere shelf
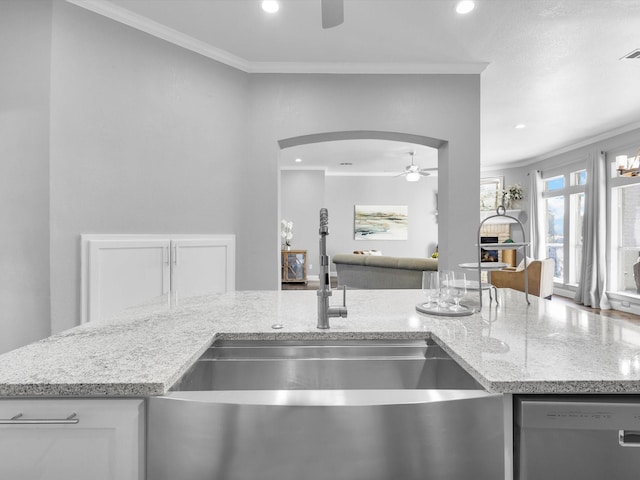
column 501, row 214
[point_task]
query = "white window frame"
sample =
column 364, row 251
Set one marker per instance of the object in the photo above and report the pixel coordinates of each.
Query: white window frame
column 570, row 188
column 615, row 181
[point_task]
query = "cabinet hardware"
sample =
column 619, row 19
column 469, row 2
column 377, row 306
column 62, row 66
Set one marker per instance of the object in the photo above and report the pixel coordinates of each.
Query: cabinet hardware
column 629, row 438
column 19, row 420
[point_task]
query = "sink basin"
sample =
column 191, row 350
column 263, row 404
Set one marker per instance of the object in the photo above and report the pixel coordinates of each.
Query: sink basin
column 312, row 365
column 319, row 409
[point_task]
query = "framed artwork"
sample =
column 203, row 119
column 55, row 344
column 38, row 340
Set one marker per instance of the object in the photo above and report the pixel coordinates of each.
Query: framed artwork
column 381, row 222
column 490, row 192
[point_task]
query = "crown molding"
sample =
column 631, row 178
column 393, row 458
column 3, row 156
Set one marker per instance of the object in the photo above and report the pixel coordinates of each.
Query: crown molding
column 367, row 68
column 144, row 24
column 567, row 148
column 126, row 17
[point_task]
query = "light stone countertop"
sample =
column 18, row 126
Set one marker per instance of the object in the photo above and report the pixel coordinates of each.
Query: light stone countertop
column 546, row 347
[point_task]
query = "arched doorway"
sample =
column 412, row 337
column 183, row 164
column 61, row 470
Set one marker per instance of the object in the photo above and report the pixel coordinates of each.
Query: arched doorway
column 309, row 194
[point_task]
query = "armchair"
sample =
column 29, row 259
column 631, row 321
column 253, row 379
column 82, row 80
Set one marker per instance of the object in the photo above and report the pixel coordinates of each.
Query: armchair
column 540, row 276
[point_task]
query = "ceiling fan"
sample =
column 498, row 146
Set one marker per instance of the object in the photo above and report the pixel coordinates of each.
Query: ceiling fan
column 332, row 13
column 413, row 172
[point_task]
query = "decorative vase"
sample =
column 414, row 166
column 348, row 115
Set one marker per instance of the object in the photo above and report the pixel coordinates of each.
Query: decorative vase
column 286, row 247
column 636, row 274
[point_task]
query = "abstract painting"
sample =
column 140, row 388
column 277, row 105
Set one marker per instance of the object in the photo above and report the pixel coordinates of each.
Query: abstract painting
column 381, row 222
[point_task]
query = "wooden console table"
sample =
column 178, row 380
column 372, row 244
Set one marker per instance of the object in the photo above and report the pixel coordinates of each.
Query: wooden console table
column 294, row 266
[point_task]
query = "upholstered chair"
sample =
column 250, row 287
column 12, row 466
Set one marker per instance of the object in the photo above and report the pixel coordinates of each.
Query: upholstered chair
column 540, row 273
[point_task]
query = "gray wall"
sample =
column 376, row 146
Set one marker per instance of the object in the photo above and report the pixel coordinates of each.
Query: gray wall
column 343, row 193
column 303, row 193
column 446, row 107
column 148, row 137
column 25, row 40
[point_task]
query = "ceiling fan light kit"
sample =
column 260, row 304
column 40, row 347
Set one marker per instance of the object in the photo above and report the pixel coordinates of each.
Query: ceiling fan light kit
column 413, row 172
column 413, row 177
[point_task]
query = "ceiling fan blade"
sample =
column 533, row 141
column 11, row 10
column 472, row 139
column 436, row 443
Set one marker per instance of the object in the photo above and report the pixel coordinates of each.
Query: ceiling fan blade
column 332, row 13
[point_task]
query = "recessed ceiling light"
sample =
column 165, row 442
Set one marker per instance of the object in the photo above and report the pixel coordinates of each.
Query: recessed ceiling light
column 520, row 126
column 465, row 6
column 298, row 160
column 270, row 6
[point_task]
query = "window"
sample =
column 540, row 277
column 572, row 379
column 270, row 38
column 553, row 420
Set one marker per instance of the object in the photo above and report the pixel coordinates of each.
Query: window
column 555, row 233
column 556, row 183
column 579, row 178
column 625, row 235
column 564, row 211
column 576, row 212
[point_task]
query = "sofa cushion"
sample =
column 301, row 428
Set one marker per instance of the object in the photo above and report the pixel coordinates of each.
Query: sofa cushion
column 404, row 263
column 364, row 271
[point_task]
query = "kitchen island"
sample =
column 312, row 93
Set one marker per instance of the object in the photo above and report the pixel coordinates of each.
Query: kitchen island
column 545, row 347
column 511, row 349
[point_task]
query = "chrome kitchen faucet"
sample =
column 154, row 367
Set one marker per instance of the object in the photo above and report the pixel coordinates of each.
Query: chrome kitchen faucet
column 324, row 289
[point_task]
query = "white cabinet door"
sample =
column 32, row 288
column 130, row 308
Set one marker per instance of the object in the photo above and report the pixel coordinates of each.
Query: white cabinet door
column 201, row 266
column 125, row 273
column 104, row 440
column 122, row 270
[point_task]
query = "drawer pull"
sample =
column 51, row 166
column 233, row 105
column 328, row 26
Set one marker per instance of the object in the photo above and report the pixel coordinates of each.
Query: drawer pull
column 629, row 438
column 18, row 420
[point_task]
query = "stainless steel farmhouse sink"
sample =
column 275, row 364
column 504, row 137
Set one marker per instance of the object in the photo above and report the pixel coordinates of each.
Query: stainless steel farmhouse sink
column 318, row 409
column 313, row 365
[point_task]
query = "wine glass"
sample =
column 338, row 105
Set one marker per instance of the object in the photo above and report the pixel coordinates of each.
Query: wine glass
column 430, row 286
column 444, row 294
column 458, row 290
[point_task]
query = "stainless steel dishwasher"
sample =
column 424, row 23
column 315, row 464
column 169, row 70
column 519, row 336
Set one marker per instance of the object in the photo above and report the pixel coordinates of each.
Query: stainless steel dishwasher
column 590, row 437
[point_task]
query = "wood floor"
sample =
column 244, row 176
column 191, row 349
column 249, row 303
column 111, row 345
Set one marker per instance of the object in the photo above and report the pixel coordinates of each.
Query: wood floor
column 604, row 313
column 313, row 285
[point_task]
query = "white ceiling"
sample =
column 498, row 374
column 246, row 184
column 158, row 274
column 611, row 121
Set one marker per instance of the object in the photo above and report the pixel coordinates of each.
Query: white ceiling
column 553, row 65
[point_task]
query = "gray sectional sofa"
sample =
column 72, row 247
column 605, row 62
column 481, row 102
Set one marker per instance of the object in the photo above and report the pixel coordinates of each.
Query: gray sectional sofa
column 372, row 271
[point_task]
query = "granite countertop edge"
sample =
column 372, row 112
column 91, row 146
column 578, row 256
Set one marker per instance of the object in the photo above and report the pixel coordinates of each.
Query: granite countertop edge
column 142, row 354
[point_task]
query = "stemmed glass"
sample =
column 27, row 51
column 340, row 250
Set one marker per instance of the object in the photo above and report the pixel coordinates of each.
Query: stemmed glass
column 444, row 294
column 430, row 286
column 458, row 289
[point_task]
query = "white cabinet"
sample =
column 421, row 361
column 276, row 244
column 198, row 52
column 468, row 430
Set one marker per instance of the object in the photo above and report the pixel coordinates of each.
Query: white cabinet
column 201, row 266
column 123, row 273
column 120, row 271
column 50, row 439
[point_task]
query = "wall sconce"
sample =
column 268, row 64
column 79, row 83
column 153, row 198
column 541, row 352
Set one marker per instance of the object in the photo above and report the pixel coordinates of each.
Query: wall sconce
column 628, row 167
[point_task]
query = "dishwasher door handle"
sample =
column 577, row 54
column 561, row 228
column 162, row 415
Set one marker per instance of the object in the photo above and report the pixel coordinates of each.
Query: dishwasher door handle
column 629, row 438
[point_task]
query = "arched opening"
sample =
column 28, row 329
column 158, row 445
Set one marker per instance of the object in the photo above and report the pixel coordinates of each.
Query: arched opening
column 362, row 134
column 304, row 187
